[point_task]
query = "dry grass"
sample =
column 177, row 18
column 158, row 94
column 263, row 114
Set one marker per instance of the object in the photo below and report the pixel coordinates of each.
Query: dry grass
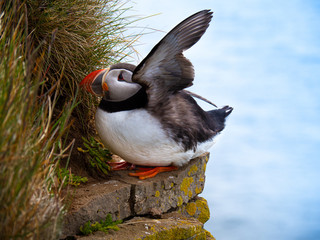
column 46, row 48
column 84, row 35
column 30, row 207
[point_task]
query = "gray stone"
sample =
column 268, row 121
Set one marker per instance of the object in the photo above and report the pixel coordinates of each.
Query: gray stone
column 93, row 202
column 170, row 227
column 124, row 196
column 167, row 190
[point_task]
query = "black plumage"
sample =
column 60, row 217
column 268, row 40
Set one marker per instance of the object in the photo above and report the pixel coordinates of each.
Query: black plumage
column 162, row 77
column 165, row 72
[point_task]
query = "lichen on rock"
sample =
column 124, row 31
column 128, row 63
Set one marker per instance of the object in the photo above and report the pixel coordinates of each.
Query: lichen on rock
column 185, row 186
column 125, row 197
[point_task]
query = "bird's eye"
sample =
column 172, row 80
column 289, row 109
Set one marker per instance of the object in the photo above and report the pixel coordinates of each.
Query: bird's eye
column 120, row 77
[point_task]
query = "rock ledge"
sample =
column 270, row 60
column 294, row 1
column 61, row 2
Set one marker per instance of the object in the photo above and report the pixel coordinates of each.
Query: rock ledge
column 170, row 196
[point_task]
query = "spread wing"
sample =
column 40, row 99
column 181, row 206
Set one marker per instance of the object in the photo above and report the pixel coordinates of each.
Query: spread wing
column 165, row 70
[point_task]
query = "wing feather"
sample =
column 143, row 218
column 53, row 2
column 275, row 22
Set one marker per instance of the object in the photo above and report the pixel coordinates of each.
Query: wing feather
column 165, row 70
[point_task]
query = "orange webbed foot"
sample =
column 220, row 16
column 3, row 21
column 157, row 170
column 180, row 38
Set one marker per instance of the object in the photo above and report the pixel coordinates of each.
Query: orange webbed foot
column 144, row 173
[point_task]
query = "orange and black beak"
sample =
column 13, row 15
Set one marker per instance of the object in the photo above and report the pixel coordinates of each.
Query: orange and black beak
column 94, row 83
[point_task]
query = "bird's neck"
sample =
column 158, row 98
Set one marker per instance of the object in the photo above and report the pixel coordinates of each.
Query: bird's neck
column 139, row 100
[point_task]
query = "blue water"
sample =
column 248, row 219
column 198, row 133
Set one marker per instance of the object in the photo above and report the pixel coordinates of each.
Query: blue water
column 263, row 58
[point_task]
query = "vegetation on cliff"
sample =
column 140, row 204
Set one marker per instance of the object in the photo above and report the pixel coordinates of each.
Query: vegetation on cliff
column 46, row 48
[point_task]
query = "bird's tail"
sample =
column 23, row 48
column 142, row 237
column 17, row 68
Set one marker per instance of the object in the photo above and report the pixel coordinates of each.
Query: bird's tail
column 218, row 117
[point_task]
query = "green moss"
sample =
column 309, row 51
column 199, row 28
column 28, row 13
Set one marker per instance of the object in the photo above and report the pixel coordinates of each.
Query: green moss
column 185, row 185
column 97, row 155
column 64, row 175
column 104, row 226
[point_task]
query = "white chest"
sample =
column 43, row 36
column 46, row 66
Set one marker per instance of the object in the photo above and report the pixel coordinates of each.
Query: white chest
column 139, row 138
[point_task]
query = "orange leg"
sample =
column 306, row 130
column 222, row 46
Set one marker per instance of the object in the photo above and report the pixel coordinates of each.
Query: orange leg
column 116, row 166
column 144, row 173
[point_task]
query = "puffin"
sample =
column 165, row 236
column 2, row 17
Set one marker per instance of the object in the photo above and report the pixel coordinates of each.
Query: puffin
column 145, row 115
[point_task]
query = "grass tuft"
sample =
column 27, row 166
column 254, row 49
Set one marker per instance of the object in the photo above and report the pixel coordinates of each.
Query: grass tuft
column 46, row 48
column 67, row 178
column 80, row 36
column 29, row 143
column 98, row 156
column 104, row 226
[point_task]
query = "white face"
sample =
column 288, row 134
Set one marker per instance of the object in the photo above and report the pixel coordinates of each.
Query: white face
column 120, row 85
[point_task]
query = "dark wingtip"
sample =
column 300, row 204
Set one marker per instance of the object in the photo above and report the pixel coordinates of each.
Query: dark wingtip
column 191, row 29
column 207, row 11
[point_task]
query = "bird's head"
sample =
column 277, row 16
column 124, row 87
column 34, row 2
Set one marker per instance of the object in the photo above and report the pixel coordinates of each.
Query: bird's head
column 114, row 83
